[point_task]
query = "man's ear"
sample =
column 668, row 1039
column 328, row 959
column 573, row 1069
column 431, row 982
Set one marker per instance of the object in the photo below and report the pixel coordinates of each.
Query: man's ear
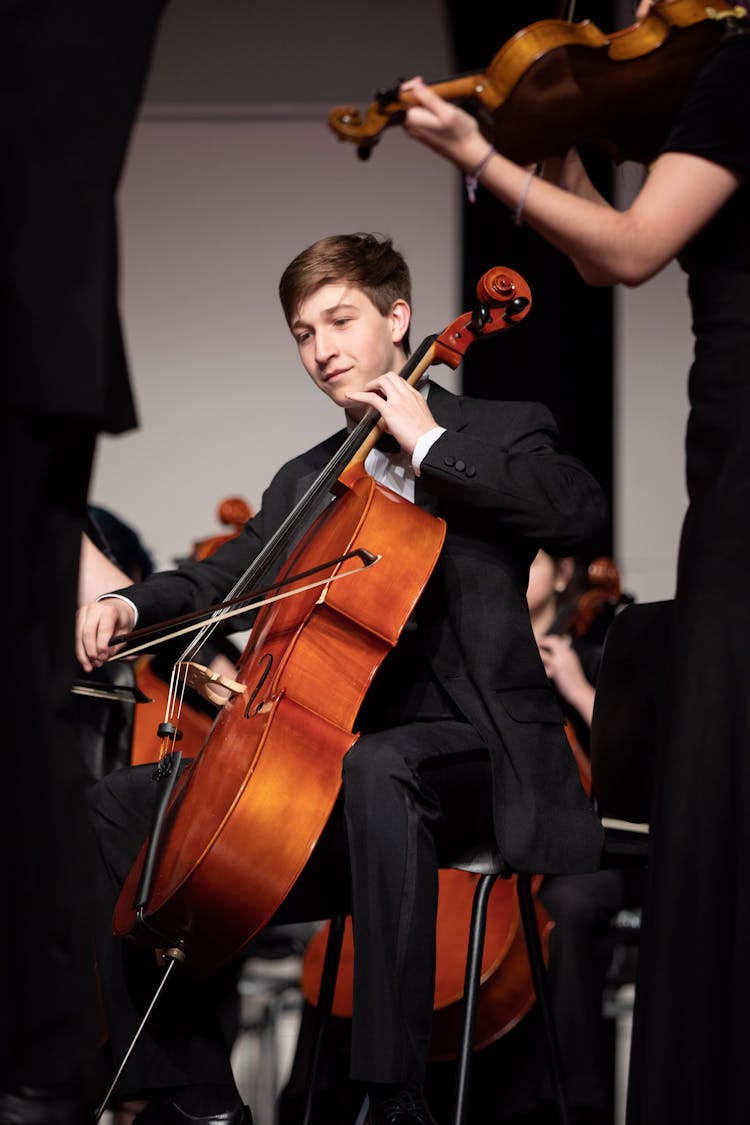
column 400, row 314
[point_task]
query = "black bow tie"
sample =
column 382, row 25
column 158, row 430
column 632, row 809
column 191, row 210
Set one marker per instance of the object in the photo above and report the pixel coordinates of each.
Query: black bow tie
column 386, row 443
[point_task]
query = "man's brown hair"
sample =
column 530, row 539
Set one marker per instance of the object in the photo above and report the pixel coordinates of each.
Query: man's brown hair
column 368, row 261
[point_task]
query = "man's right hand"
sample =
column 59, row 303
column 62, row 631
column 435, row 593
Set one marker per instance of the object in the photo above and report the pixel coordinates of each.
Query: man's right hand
column 96, row 624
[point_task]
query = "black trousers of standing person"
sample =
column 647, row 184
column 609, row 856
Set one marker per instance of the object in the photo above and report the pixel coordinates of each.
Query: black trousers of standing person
column 71, row 74
column 49, row 1023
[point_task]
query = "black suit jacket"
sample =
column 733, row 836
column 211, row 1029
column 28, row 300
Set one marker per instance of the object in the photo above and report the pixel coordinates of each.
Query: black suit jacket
column 497, row 479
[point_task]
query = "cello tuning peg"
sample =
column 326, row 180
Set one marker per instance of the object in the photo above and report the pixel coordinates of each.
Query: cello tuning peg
column 515, row 307
column 479, row 317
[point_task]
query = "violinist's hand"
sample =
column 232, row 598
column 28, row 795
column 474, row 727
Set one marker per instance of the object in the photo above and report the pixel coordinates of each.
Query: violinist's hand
column 404, row 410
column 96, row 624
column 562, row 665
column 444, row 127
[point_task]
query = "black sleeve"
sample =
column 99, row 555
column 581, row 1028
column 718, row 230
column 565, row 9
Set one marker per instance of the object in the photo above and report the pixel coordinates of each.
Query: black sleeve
column 714, row 119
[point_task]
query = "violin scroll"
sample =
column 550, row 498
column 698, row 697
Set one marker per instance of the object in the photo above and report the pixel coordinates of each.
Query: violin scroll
column 348, row 124
column 390, row 106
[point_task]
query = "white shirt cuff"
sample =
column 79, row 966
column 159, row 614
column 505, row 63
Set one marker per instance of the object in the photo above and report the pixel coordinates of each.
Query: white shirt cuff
column 103, row 597
column 423, row 446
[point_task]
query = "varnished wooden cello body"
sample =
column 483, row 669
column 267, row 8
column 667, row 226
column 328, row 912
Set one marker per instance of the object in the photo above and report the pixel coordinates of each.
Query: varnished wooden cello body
column 556, row 84
column 242, row 822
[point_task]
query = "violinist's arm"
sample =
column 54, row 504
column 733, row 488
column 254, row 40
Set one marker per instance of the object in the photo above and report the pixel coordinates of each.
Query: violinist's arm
column 569, row 172
column 607, row 246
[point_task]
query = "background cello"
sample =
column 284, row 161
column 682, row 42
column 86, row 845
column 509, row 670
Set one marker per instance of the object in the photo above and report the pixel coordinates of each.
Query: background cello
column 152, row 671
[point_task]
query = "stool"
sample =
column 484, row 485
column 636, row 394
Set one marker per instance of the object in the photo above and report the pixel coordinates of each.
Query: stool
column 489, row 867
column 624, row 843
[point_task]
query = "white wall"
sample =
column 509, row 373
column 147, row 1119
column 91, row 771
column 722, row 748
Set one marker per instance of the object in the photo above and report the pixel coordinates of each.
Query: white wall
column 652, row 354
column 231, row 171
column 214, row 203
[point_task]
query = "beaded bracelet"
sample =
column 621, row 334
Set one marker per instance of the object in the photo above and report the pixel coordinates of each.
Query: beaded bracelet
column 518, row 213
column 471, row 179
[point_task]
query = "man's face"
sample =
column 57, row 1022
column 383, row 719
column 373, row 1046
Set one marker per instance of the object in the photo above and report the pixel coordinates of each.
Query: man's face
column 344, row 342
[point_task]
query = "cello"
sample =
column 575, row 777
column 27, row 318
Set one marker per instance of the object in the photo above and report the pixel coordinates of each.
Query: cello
column 216, row 867
column 556, row 84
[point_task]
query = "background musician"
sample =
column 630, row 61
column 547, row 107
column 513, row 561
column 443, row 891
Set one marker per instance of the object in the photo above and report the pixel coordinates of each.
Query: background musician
column 582, row 906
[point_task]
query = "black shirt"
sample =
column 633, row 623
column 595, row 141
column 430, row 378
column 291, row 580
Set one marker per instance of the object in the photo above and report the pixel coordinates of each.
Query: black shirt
column 714, row 123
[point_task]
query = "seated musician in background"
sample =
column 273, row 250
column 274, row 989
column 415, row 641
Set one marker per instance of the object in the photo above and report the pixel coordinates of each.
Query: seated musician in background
column 582, row 906
column 459, row 734
column 112, row 553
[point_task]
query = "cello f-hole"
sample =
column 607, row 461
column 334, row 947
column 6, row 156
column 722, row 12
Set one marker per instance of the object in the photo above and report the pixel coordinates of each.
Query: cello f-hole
column 268, row 659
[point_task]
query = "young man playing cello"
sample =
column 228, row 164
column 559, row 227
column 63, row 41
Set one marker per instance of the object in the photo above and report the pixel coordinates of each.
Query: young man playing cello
column 459, row 722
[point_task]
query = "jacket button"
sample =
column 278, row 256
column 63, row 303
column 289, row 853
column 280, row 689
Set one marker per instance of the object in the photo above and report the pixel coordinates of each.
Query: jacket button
column 471, row 471
column 449, row 461
column 460, row 465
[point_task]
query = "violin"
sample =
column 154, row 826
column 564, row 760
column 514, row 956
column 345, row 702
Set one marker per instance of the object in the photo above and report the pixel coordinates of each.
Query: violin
column 557, row 84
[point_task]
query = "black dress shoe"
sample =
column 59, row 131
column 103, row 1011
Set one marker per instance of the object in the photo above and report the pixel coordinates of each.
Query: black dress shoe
column 408, row 1107
column 167, row 1113
column 29, row 1105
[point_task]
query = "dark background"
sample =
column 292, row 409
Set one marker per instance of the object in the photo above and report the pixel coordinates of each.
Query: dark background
column 562, row 353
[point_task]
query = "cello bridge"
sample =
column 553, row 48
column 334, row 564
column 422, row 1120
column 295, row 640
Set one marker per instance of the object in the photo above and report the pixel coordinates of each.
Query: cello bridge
column 213, row 686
